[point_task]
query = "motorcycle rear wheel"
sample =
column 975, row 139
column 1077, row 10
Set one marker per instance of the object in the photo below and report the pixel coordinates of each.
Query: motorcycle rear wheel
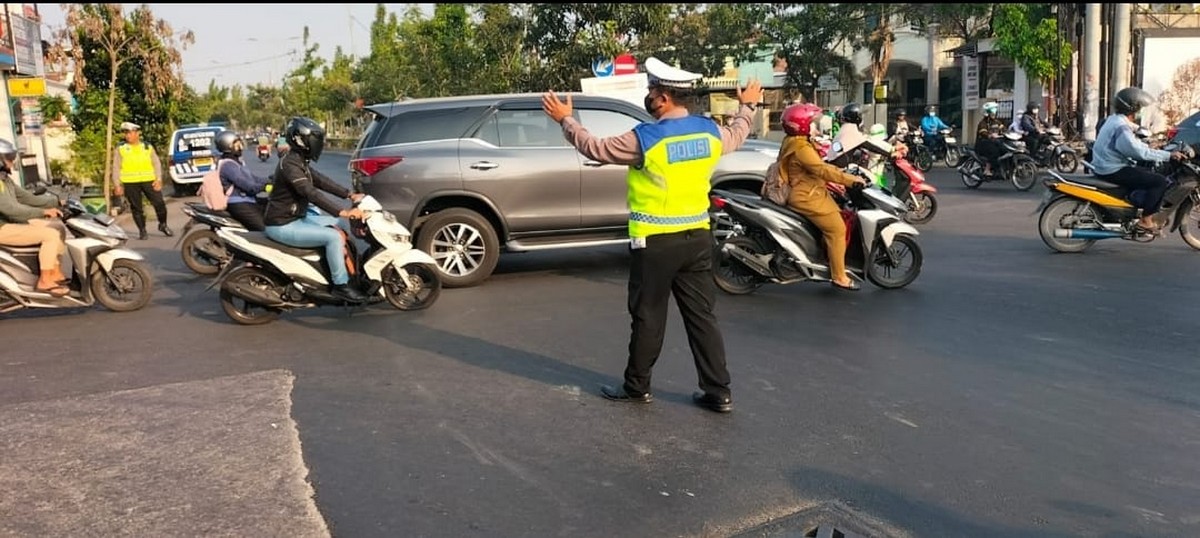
column 242, row 311
column 1024, row 174
column 1055, row 215
column 194, row 256
column 1189, row 223
column 928, row 208
column 422, row 289
column 880, row 270
column 732, row 276
column 922, row 158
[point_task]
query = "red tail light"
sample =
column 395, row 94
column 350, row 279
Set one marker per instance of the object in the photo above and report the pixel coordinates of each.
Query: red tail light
column 373, row 165
column 718, row 202
column 1171, row 133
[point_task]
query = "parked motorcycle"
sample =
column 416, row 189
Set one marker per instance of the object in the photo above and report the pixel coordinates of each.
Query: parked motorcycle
column 202, row 251
column 1015, row 165
column 103, row 270
column 1055, row 153
column 1077, row 212
column 925, row 153
column 265, row 278
column 770, row 243
column 264, row 152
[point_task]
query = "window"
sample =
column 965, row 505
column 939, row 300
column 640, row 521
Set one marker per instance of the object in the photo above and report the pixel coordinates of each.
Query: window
column 521, row 129
column 605, row 123
column 425, row 125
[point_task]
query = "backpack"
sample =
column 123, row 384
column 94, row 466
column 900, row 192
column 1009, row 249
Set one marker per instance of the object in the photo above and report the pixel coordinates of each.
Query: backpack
column 775, row 188
column 211, row 191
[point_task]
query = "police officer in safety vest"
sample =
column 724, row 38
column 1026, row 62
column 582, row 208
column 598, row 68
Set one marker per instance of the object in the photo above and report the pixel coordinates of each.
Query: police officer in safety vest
column 137, row 173
column 671, row 162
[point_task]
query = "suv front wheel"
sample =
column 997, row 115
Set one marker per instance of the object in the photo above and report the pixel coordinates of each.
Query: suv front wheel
column 463, row 243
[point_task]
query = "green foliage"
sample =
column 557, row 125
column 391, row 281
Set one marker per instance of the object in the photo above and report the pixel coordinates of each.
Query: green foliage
column 89, row 123
column 1029, row 35
column 808, row 36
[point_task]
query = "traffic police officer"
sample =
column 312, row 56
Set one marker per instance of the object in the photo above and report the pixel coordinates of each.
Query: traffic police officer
column 671, row 162
column 137, row 173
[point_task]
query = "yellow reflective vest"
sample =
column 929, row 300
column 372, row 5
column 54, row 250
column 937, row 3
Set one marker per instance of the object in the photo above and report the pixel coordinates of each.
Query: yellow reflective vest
column 669, row 192
column 136, row 163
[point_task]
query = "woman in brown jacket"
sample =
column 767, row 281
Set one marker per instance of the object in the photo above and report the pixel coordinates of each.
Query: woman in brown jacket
column 801, row 166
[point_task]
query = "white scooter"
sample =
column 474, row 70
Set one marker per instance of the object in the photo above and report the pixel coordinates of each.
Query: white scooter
column 103, row 271
column 266, row 278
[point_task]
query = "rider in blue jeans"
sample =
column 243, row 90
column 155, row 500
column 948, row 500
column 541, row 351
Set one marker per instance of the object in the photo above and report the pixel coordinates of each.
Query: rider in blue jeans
column 296, row 186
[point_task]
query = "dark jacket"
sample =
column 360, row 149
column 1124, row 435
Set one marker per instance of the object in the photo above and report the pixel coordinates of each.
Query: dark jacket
column 295, row 186
column 246, row 186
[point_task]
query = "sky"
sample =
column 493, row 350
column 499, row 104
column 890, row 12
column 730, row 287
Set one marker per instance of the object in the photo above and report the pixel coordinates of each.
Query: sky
column 250, row 43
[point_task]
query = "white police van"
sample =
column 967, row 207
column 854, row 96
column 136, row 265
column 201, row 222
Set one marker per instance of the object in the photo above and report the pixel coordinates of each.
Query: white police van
column 192, row 153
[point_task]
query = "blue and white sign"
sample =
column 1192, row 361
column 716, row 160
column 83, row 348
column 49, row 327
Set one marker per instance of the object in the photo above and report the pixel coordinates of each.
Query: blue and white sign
column 602, row 67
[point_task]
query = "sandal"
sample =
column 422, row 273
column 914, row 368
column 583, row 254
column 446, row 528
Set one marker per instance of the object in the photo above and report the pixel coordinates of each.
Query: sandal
column 56, row 291
column 1139, row 229
column 851, row 287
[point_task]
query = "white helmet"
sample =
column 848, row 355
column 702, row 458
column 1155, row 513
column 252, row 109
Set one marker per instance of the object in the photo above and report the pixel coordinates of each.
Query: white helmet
column 991, row 107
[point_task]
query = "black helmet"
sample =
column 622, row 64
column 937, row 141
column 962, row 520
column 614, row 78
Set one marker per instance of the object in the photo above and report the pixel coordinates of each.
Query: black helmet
column 8, row 152
column 851, row 113
column 225, row 143
column 1131, row 100
column 1032, row 106
column 306, row 137
column 901, row 113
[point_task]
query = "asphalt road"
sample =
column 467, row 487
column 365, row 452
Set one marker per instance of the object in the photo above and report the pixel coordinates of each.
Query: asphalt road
column 1008, row 392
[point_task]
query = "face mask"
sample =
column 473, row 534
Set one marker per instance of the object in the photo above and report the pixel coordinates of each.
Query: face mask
column 1034, row 111
column 933, row 114
column 648, row 102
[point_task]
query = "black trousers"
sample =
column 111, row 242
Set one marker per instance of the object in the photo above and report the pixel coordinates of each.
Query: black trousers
column 678, row 264
column 1135, row 178
column 134, row 193
column 250, row 214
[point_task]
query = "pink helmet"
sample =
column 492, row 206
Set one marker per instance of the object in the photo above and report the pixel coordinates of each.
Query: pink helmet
column 797, row 119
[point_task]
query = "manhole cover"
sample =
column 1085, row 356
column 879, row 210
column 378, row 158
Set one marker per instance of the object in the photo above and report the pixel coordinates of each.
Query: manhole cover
column 827, row 520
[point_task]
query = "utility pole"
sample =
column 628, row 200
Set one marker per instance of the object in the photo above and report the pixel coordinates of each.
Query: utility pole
column 1091, row 70
column 1121, row 32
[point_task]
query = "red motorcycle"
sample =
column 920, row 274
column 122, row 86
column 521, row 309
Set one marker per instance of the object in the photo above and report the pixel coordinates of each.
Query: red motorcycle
column 264, row 152
column 909, row 186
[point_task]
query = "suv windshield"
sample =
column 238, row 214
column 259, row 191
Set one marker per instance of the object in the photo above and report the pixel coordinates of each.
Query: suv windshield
column 197, row 140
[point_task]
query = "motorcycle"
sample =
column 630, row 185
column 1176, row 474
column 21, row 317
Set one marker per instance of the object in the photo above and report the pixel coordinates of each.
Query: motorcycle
column 770, row 243
column 202, row 251
column 1077, row 212
column 1015, row 165
column 924, row 154
column 265, row 278
column 103, row 271
column 1055, row 153
column 264, row 152
column 908, row 183
column 909, row 186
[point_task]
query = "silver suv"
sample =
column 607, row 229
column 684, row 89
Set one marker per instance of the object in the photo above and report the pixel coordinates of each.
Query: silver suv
column 473, row 176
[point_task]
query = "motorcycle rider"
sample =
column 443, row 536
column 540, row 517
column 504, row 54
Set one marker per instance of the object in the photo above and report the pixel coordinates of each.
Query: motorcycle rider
column 899, row 129
column 1031, row 129
column 803, row 169
column 1116, row 144
column 1119, row 140
column 243, row 203
column 930, row 125
column 296, row 185
column 987, row 137
column 23, row 224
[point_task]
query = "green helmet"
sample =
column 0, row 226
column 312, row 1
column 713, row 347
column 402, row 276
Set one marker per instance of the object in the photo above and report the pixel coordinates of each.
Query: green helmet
column 878, row 130
column 991, row 107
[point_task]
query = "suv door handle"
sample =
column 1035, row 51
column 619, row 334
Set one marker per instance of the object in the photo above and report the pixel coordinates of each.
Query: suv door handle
column 593, row 164
column 484, row 165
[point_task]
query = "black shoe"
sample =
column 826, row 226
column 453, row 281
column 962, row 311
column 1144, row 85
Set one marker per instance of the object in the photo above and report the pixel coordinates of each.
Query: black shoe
column 712, row 402
column 349, row 293
column 166, row 230
column 619, row 395
column 143, row 235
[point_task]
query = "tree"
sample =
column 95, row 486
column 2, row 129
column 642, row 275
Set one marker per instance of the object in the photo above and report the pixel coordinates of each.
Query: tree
column 376, row 74
column 150, row 43
column 1028, row 34
column 809, row 37
column 968, row 22
column 564, row 39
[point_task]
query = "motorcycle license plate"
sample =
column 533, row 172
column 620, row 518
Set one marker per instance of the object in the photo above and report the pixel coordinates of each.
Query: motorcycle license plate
column 951, row 140
column 203, row 161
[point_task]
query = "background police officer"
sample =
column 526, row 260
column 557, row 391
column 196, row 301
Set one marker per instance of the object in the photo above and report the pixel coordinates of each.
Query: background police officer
column 137, row 173
column 671, row 162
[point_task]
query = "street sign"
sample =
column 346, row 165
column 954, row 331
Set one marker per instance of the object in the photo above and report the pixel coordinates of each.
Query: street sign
column 602, row 67
column 26, row 87
column 624, row 64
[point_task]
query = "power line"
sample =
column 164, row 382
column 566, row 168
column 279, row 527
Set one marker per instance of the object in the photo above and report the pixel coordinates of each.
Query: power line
column 211, row 67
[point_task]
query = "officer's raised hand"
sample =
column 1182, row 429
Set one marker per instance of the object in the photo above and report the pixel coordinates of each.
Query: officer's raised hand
column 558, row 111
column 752, row 95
